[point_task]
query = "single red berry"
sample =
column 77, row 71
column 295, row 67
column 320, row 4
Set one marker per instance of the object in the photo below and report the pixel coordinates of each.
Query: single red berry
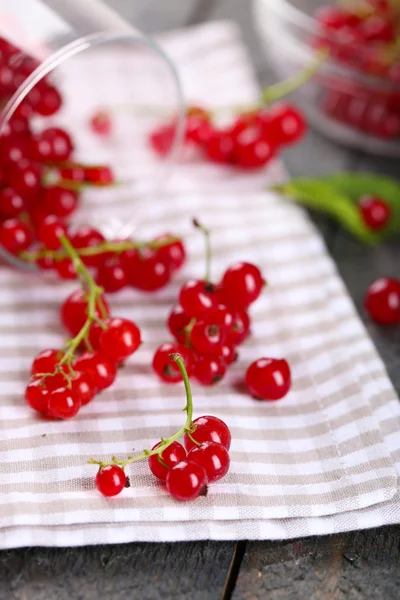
column 59, row 201
column 46, row 262
column 152, row 272
column 37, row 395
column 14, row 149
column 121, row 339
column 375, row 212
column 242, row 284
column 219, row 147
column 102, row 175
column 268, row 378
column 377, row 28
column 65, row 268
column 73, row 173
column 213, row 457
column 111, row 480
column 240, row 329
column 63, row 403
column 209, row 369
column 229, row 354
column 60, row 142
column 24, row 178
column 15, row 236
column 382, row 301
column 196, row 297
column 46, row 361
column 94, row 334
column 74, row 311
column 252, row 149
column 208, row 337
column 102, row 371
column 208, row 429
column 162, row 139
column 287, row 124
column 88, row 237
column 186, row 481
column 171, row 456
column 50, row 231
column 198, row 126
column 47, row 102
column 56, row 380
column 173, row 254
column 11, row 203
column 166, row 368
column 101, row 123
column 177, row 321
column 82, row 387
column 111, row 275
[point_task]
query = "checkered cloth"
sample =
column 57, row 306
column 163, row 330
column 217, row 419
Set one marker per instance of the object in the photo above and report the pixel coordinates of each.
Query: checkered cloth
column 324, row 459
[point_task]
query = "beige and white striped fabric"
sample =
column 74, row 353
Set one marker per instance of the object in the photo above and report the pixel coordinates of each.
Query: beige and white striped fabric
column 326, row 458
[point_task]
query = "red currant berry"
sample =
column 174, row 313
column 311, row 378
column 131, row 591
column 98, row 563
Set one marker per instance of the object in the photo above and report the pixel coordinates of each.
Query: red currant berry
column 59, row 201
column 74, row 311
column 166, row 368
column 47, row 102
column 60, row 143
column 240, row 329
column 213, row 457
column 178, row 320
column 382, row 301
column 162, row 139
column 198, row 126
column 15, row 236
column 170, row 457
column 50, row 231
column 121, row 339
column 24, row 178
column 13, row 150
column 219, row 147
column 287, row 124
column 63, row 403
column 186, row 481
column 208, row 429
column 111, row 480
column 377, row 28
column 95, row 332
column 87, row 237
column 101, row 370
column 151, row 273
column 375, row 212
column 83, row 388
column 111, row 275
column 99, row 175
column 11, row 203
column 73, row 173
column 196, row 297
column 173, row 254
column 209, row 369
column 45, row 262
column 335, row 17
column 65, row 268
column 46, row 361
column 56, row 380
column 208, row 337
column 268, row 378
column 242, row 284
column 229, row 354
column 101, row 123
column 252, row 149
column 37, row 395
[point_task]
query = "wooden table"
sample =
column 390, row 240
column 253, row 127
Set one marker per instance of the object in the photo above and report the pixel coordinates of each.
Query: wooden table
column 357, row 565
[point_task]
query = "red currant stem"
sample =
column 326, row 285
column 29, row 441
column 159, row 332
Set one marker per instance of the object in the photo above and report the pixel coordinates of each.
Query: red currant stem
column 206, row 233
column 115, row 247
column 280, row 90
column 164, row 442
column 160, row 460
column 189, row 434
column 188, row 330
column 77, row 186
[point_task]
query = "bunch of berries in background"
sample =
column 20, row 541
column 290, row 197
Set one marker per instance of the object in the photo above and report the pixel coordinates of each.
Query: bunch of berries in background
column 250, row 141
column 365, row 37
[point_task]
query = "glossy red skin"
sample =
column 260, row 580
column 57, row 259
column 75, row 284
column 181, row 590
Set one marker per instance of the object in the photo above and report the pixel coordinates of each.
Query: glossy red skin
column 213, row 457
column 209, row 429
column 101, row 370
column 99, row 175
column 161, row 139
column 15, row 236
column 60, row 142
column 63, row 404
column 252, row 149
column 171, row 456
column 287, row 125
column 166, row 368
column 37, row 396
column 65, row 268
column 46, row 361
column 382, row 301
column 83, row 388
column 25, row 178
column 186, row 481
column 88, row 237
column 209, row 369
column 59, row 201
column 173, row 254
column 268, row 378
column 242, row 284
column 121, row 339
column 74, row 311
column 219, row 147
column 208, row 337
column 110, row 480
column 177, row 321
column 150, row 272
column 240, row 330
column 229, row 354
column 196, row 297
column 101, row 123
column 11, row 203
column 111, row 275
column 375, row 212
column 50, row 231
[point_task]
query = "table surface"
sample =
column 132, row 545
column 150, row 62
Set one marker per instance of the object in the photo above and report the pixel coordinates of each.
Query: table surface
column 356, row 565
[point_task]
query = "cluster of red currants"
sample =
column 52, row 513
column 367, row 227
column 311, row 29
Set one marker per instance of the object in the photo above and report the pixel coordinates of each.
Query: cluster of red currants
column 186, row 470
column 250, row 142
column 39, row 183
column 61, row 381
column 382, row 301
column 375, row 212
column 363, row 36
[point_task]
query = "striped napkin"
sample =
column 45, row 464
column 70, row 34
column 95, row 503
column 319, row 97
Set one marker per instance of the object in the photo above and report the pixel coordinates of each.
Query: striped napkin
column 324, row 459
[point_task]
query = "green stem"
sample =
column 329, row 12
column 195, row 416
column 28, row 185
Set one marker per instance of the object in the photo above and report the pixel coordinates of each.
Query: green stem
column 164, row 442
column 115, row 247
column 207, row 240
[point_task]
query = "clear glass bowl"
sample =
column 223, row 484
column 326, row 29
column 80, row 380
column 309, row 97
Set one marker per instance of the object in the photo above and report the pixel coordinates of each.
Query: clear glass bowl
column 341, row 100
column 97, row 61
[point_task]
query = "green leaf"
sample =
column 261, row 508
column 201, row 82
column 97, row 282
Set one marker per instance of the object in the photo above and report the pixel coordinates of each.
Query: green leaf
column 323, row 196
column 355, row 185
